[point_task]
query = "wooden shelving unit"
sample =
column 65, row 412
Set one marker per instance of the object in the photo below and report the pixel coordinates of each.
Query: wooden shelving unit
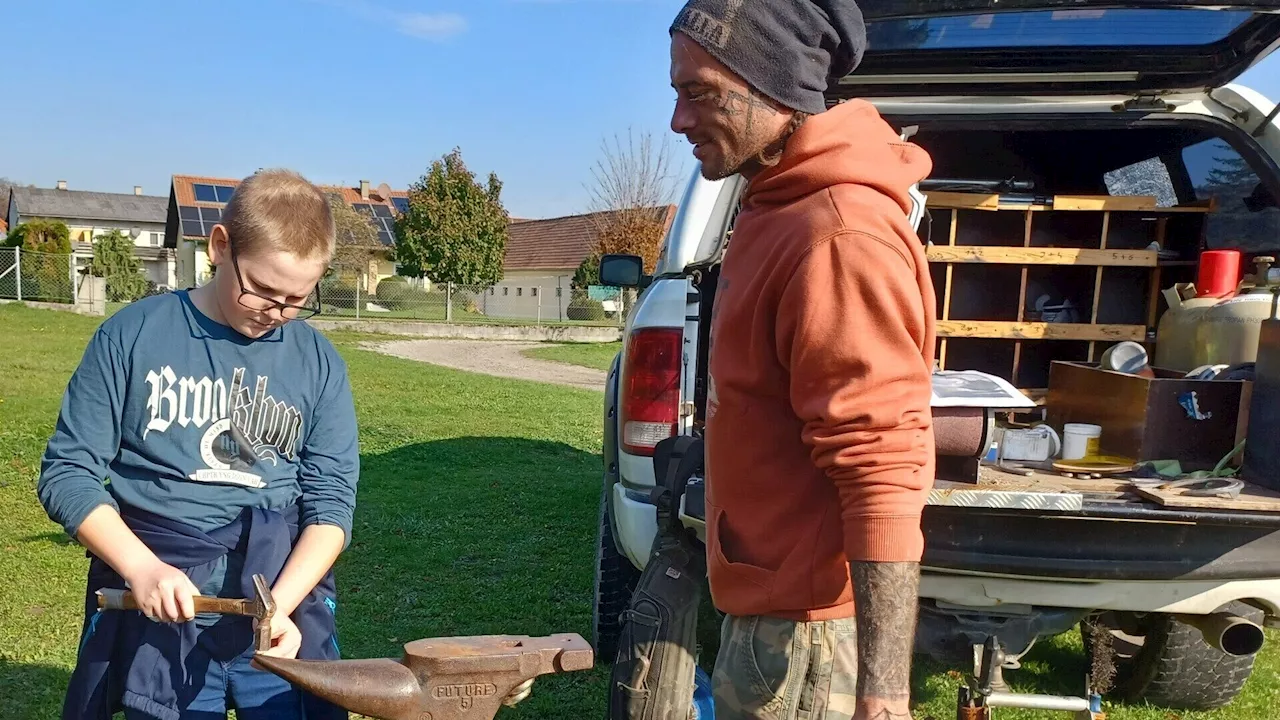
column 993, row 259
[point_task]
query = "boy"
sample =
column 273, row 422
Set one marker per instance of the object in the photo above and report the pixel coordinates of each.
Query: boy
column 205, row 438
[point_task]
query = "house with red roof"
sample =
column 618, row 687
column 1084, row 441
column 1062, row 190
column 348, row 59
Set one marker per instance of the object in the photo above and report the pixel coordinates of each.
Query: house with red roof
column 542, row 257
column 196, row 204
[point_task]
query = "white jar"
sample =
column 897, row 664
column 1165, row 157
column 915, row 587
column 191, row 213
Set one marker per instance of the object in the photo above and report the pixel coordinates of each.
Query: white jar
column 1080, row 440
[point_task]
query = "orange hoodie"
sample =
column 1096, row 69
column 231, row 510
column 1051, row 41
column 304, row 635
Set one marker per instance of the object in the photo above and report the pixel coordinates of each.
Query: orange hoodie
column 819, row 433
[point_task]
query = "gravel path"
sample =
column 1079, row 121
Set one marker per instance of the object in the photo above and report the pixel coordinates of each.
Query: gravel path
column 502, row 359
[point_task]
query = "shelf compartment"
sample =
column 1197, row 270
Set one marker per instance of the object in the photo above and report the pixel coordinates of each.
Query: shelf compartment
column 1038, row 356
column 1062, row 229
column 984, row 355
column 980, row 292
column 998, row 229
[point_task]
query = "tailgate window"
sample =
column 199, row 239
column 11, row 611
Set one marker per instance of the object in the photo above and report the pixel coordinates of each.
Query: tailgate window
column 1060, row 28
column 1246, row 216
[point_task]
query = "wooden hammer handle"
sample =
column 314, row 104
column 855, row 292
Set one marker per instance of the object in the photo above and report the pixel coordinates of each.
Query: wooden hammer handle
column 115, row 599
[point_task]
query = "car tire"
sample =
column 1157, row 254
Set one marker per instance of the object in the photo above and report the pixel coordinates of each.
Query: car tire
column 615, row 582
column 1174, row 668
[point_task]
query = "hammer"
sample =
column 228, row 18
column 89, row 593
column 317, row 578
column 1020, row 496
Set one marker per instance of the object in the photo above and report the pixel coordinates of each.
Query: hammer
column 262, row 607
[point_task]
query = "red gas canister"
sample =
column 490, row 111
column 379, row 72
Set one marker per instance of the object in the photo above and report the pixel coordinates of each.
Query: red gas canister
column 1219, row 273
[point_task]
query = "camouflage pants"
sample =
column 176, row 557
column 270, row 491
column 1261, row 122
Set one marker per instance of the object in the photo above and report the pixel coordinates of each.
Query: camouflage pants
column 773, row 669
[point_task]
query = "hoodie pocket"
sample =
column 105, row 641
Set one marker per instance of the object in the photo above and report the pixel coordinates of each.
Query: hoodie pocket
column 721, row 560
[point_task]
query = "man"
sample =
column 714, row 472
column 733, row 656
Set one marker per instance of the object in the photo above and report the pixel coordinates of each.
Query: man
column 819, row 436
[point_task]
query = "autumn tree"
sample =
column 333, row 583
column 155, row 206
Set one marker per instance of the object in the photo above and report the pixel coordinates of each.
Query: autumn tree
column 455, row 230
column 633, row 185
column 357, row 242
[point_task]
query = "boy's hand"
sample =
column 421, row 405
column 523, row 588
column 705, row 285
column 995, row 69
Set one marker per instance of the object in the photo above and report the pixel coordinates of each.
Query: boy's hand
column 163, row 592
column 286, row 639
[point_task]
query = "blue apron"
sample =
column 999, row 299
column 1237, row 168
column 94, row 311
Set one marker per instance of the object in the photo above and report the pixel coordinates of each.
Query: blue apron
column 127, row 660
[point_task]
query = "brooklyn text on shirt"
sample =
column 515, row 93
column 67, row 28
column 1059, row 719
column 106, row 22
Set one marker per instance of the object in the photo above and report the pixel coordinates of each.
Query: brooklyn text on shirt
column 257, row 429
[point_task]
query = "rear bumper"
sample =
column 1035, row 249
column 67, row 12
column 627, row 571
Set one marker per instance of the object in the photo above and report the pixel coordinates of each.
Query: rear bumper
column 1103, row 541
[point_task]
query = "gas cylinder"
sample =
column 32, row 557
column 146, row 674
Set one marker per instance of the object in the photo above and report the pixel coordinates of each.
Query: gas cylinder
column 1228, row 331
column 1176, row 333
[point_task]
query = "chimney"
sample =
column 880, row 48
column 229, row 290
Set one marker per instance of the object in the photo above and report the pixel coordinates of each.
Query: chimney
column 62, row 184
column 364, row 189
column 137, row 189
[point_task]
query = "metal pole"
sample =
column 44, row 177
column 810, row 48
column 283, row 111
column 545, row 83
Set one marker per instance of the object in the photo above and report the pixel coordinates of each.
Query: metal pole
column 71, row 271
column 359, row 280
column 539, row 304
column 1038, row 702
column 17, row 267
column 448, row 302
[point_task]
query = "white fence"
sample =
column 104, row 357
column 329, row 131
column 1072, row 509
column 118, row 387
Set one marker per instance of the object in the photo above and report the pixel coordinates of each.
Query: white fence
column 400, row 298
column 36, row 276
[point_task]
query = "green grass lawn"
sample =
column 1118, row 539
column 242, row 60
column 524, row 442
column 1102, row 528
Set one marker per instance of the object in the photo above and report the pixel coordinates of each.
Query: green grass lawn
column 477, row 514
column 593, row 355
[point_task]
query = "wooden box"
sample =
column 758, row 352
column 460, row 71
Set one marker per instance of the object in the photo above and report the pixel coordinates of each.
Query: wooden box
column 1197, row 422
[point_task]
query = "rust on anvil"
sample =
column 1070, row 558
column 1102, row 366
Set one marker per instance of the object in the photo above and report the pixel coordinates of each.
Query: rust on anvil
column 973, row 713
column 438, row 678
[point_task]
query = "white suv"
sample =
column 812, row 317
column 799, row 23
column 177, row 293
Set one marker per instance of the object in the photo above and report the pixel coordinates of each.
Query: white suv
column 1060, row 93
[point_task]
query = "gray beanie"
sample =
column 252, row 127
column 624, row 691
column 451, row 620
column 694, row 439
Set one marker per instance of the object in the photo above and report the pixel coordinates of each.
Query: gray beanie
column 790, row 50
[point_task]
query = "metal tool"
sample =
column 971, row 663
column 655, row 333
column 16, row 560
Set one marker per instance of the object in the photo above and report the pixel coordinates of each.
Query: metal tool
column 438, row 678
column 262, row 607
column 976, row 700
column 1207, row 487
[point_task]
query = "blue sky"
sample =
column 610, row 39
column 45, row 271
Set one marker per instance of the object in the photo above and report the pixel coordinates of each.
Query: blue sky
column 111, row 95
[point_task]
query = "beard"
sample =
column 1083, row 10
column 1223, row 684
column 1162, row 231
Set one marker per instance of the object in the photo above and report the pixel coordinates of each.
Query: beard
column 755, row 154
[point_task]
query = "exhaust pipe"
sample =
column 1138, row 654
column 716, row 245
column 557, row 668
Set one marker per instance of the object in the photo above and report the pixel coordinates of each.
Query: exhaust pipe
column 1227, row 633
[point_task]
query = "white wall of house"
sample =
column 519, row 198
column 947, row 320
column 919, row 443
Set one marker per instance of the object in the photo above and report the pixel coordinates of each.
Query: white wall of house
column 530, row 294
column 150, row 235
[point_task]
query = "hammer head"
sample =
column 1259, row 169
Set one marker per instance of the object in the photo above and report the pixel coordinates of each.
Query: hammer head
column 264, row 608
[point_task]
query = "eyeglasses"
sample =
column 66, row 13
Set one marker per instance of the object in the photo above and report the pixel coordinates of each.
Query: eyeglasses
column 262, row 303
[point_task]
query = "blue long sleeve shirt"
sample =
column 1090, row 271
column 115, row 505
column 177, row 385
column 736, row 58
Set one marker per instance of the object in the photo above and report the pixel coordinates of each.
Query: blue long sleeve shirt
column 175, row 414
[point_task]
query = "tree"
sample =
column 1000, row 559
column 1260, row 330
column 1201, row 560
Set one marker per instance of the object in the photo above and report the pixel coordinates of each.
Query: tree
column 1239, row 221
column 113, row 259
column 357, row 241
column 455, row 230
column 46, row 258
column 587, row 274
column 46, row 236
column 633, row 187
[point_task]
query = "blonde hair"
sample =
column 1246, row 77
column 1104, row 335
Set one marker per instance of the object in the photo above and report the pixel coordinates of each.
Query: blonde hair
column 280, row 210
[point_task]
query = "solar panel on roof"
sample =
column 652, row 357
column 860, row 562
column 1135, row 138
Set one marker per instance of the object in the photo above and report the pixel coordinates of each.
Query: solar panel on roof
column 192, row 227
column 362, row 207
column 381, row 211
column 402, row 204
column 189, row 213
column 211, row 216
column 385, row 237
column 213, row 193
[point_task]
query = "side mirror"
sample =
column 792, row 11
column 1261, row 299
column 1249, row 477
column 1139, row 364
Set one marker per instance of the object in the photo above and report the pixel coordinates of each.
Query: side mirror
column 623, row 271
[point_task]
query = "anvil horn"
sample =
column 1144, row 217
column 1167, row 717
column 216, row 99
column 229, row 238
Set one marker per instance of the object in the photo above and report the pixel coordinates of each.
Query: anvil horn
column 381, row 688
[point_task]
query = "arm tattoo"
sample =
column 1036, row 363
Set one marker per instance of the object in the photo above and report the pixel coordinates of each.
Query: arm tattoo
column 886, row 601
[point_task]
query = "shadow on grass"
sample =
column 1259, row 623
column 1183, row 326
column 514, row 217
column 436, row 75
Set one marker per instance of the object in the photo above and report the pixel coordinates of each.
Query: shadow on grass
column 32, row 692
column 55, row 537
column 497, row 535
column 476, row 536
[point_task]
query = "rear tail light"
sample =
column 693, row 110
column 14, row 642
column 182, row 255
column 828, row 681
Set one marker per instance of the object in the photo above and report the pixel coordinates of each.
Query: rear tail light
column 650, row 397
